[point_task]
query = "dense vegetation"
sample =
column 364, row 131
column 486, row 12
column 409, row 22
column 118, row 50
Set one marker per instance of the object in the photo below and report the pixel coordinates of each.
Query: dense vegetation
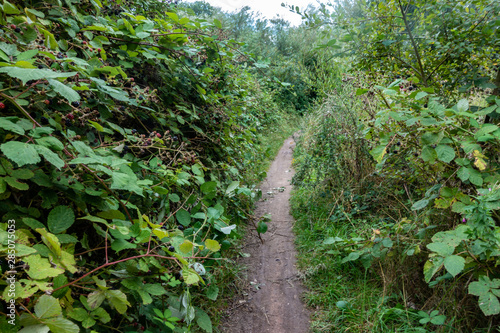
column 403, row 157
column 131, row 136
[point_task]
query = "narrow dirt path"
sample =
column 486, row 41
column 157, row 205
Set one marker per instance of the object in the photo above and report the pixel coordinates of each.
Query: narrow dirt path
column 272, row 300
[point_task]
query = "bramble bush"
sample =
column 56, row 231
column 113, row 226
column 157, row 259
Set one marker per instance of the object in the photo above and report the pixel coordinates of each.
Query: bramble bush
column 126, row 135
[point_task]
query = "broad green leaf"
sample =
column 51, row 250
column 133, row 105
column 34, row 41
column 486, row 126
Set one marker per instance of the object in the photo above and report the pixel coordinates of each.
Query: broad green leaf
column 61, row 325
column 379, row 152
column 40, row 328
column 95, row 299
column 50, row 156
column 28, row 74
column 102, row 314
column 208, row 187
column 438, row 320
column 10, row 126
column 212, row 292
column 387, row 242
column 183, row 217
column 463, row 173
column 420, row 204
column 22, row 174
column 230, row 189
column 261, row 227
column 445, row 153
column 463, row 105
column 174, row 197
column 190, row 276
column 361, row 91
column 47, row 307
column 118, row 300
column 20, row 153
column 429, row 154
column 60, row 218
column 68, row 93
column 489, row 304
column 441, row 249
column 212, row 245
column 203, row 320
column 431, row 267
column 121, row 244
column 186, row 247
column 454, row 264
column 12, row 182
column 9, row 8
column 40, row 268
column 51, row 143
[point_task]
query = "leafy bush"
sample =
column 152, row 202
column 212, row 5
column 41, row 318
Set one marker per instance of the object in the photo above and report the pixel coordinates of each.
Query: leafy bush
column 126, row 134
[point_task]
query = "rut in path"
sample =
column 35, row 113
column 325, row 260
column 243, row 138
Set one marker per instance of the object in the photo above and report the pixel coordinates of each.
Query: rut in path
column 272, row 302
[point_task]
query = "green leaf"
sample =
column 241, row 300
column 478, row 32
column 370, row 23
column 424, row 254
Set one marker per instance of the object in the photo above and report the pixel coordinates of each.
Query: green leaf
column 40, row 268
column 60, row 218
column 261, row 227
column 118, row 300
column 28, row 74
column 12, row 182
column 217, row 23
column 61, row 325
column 379, row 152
column 102, row 314
column 361, row 91
column 463, row 105
column 428, row 154
column 208, row 187
column 212, row 245
column 230, row 189
column 174, row 197
column 441, row 249
column 20, row 153
column 121, row 244
column 438, row 320
column 431, row 267
column 68, row 93
column 420, row 204
column 47, row 307
column 95, row 299
column 35, row 329
column 186, row 247
column 50, row 156
column 212, row 292
column 203, row 320
column 79, row 314
column 10, row 126
column 22, row 174
column 463, row 173
column 51, row 143
column 489, row 304
column 183, row 217
column 9, row 8
column 454, row 264
column 387, row 242
column 445, row 153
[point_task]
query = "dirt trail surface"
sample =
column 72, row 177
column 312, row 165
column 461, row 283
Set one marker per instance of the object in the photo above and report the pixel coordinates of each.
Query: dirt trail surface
column 272, row 299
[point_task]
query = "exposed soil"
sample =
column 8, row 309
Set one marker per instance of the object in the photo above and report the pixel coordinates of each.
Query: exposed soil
column 271, row 301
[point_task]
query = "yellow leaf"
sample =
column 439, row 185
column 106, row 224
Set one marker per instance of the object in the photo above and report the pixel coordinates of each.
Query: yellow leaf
column 160, row 233
column 480, row 162
column 212, row 245
column 186, row 247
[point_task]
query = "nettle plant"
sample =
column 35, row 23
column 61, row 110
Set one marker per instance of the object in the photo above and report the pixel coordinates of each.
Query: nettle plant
column 120, row 142
column 448, row 156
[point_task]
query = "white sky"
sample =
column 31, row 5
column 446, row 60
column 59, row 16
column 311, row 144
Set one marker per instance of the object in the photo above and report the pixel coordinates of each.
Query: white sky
column 268, row 8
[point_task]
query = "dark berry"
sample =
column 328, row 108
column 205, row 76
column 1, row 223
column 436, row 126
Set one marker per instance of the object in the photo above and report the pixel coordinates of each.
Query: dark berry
column 122, row 108
column 44, row 121
column 18, row 30
column 40, row 66
column 175, row 138
column 141, row 98
column 72, row 166
column 415, row 154
column 398, row 144
column 68, row 122
column 171, row 248
column 125, row 148
column 75, row 104
column 433, row 146
column 181, row 227
column 59, row 55
column 134, row 131
column 70, row 116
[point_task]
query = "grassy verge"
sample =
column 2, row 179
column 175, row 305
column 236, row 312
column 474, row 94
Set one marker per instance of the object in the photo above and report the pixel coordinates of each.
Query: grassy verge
column 345, row 296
